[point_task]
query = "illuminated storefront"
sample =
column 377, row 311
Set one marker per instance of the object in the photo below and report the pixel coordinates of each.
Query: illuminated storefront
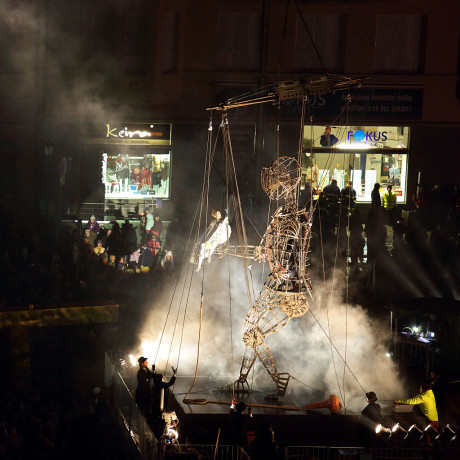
column 364, row 155
column 135, row 160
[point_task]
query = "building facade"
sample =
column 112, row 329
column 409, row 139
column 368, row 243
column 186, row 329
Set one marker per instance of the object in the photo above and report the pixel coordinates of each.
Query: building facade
column 70, row 69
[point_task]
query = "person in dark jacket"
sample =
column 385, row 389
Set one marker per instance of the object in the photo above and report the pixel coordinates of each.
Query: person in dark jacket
column 328, row 139
column 93, row 225
column 370, row 417
column 375, row 196
column 157, row 225
column 143, row 393
column 159, row 385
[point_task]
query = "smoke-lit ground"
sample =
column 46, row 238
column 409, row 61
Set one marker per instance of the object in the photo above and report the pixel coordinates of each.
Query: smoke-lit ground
column 302, row 348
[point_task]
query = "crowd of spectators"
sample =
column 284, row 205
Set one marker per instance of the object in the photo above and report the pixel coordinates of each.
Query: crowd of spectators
column 50, row 421
column 81, row 261
column 88, row 261
column 423, row 237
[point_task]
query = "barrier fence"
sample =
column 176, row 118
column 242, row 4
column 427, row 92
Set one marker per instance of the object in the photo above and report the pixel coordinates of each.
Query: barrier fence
column 361, row 453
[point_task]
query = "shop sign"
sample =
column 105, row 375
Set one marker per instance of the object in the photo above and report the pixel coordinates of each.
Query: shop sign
column 366, row 103
column 133, row 134
column 367, row 136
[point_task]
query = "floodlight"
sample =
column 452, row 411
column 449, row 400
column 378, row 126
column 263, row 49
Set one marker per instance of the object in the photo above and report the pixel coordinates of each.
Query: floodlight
column 446, row 434
column 415, row 432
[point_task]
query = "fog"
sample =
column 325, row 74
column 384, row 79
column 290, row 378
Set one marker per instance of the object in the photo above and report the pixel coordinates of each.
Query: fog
column 302, row 348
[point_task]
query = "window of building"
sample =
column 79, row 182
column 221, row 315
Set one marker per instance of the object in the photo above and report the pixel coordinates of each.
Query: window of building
column 10, row 39
column 135, row 44
column 104, row 39
column 399, row 43
column 136, row 35
column 327, row 32
column 364, row 155
column 170, row 37
column 238, row 41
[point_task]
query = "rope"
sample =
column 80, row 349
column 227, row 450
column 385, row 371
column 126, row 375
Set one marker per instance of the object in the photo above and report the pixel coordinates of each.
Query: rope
column 304, row 384
column 283, row 40
column 311, row 38
column 198, row 351
column 199, row 207
column 230, row 292
column 335, row 348
column 347, row 267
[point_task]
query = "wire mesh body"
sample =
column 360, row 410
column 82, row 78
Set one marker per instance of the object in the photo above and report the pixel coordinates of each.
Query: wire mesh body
column 281, row 179
column 284, row 294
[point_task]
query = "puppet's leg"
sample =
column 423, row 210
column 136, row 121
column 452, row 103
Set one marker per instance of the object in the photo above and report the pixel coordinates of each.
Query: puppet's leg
column 270, row 319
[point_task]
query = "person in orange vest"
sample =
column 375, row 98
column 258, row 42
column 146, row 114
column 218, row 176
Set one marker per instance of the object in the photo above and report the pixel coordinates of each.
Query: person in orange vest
column 389, row 204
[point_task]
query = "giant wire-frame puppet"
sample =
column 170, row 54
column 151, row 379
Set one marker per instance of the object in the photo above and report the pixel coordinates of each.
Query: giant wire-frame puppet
column 285, row 292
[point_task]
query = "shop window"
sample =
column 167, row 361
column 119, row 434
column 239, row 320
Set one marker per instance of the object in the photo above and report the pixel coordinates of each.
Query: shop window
column 328, row 34
column 364, row 155
column 238, row 41
column 136, row 176
column 364, row 170
column 399, row 43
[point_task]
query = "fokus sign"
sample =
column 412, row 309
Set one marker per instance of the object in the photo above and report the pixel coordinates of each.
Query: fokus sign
column 367, row 137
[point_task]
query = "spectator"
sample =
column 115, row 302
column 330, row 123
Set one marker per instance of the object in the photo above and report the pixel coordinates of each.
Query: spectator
column 146, row 259
column 331, row 193
column 112, row 260
column 93, row 225
column 99, row 250
column 348, row 197
column 121, row 265
column 134, row 258
column 328, row 139
column 375, row 196
column 148, row 220
column 389, row 204
column 115, row 240
column 153, row 243
column 89, row 237
column 167, row 261
column 129, row 237
column 158, row 225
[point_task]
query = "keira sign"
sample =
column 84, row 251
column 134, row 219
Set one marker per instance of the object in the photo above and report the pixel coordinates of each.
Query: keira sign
column 134, row 134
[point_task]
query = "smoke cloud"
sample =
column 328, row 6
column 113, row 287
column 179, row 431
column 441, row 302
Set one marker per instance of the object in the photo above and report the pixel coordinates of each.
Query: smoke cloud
column 311, row 348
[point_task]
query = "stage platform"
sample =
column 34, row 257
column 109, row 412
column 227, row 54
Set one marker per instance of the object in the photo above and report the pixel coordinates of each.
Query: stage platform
column 200, row 422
